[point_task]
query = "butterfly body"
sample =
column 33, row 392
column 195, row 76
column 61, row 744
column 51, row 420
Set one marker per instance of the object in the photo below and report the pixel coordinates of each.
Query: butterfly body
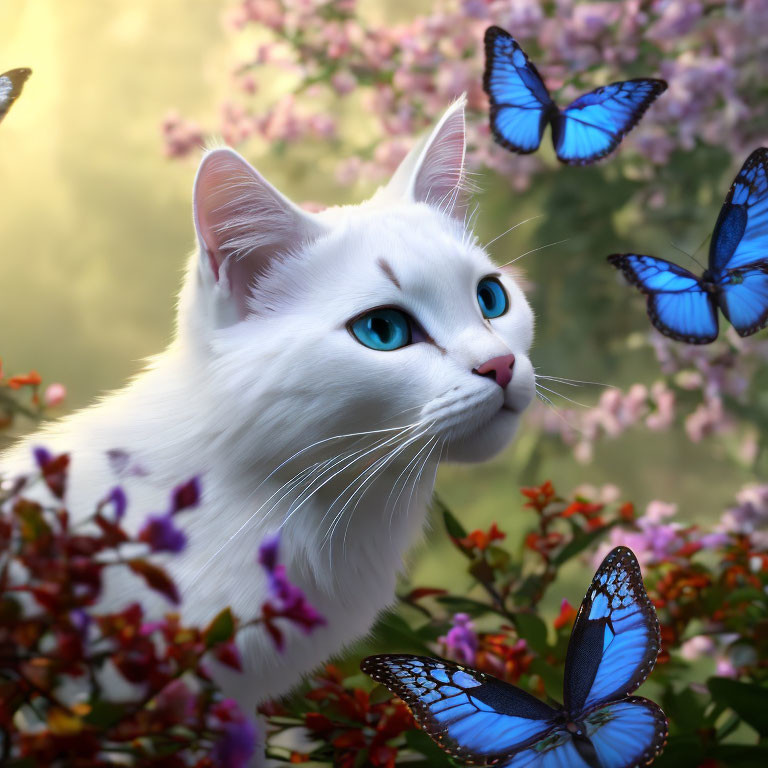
column 684, row 306
column 482, row 720
column 587, row 130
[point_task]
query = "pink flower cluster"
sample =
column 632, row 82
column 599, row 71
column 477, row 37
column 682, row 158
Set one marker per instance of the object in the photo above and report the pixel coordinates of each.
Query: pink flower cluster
column 701, row 387
column 406, row 73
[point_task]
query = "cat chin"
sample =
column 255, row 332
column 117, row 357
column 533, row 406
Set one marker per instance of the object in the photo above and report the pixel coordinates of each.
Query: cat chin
column 486, row 441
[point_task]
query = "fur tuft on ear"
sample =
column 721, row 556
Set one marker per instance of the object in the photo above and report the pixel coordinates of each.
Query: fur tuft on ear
column 433, row 172
column 243, row 222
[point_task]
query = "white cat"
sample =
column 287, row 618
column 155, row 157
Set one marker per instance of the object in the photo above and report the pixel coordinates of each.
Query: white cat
column 322, row 366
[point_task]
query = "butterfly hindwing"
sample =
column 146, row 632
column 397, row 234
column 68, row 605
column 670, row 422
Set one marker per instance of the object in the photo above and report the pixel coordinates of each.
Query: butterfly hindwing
column 520, row 102
column 678, row 304
column 621, row 734
column 624, row 733
column 615, row 639
column 740, row 236
column 11, row 84
column 743, row 298
column 472, row 716
column 592, row 126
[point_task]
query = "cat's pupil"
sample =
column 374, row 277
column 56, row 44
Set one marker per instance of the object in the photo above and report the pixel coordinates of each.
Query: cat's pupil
column 487, row 298
column 382, row 328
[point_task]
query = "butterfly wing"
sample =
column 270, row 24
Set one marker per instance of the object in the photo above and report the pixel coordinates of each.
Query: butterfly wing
column 743, row 298
column 11, row 84
column 740, row 236
column 592, row 126
column 678, row 304
column 620, row 734
column 625, row 733
column 520, row 102
column 615, row 639
column 472, row 716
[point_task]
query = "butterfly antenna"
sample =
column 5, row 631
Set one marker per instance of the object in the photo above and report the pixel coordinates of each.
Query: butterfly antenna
column 702, row 243
column 690, row 256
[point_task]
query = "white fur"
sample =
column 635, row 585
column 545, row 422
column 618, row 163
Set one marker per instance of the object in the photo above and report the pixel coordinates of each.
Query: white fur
column 263, row 368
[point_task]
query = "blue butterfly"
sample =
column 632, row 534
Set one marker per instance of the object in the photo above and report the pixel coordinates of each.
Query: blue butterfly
column 586, row 130
column 683, row 306
column 481, row 720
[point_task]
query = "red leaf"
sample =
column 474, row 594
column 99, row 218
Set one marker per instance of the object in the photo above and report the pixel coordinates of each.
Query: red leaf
column 228, row 655
column 418, row 594
column 156, row 578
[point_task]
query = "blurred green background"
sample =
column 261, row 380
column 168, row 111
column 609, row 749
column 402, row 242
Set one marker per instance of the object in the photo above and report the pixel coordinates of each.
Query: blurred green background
column 96, row 225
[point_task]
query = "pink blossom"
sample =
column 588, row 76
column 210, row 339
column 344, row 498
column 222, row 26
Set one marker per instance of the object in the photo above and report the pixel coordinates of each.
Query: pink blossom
column 55, row 394
column 708, row 418
column 700, row 645
column 749, row 517
column 461, row 641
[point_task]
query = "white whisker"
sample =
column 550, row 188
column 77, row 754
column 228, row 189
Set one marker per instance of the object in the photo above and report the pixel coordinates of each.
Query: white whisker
column 533, row 250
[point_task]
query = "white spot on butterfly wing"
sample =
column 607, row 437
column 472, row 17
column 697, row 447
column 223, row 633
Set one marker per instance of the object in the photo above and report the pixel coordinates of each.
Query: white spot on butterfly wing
column 6, row 86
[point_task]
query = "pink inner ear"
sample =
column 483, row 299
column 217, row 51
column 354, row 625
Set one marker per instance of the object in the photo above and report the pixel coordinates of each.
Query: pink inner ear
column 219, row 201
column 441, row 173
column 243, row 222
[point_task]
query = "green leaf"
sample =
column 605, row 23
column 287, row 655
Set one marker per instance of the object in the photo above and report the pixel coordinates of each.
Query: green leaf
column 579, row 543
column 393, row 633
column 533, row 630
column 743, row 755
column 453, row 526
column 681, row 752
column 105, row 714
column 550, row 674
column 467, row 605
column 748, row 700
column 220, row 630
column 685, row 710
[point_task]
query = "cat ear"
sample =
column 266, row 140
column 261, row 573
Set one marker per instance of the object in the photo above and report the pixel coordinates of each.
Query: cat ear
column 433, row 172
column 243, row 223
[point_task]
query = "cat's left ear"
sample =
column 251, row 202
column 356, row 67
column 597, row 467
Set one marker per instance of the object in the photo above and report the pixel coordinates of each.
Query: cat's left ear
column 433, row 172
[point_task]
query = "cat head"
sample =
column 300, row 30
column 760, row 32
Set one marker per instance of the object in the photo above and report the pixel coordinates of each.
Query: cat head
column 357, row 319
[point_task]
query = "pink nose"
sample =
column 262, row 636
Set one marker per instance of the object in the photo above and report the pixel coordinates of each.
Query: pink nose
column 497, row 368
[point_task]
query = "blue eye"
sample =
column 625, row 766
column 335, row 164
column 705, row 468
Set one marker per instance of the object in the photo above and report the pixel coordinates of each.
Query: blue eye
column 383, row 329
column 492, row 297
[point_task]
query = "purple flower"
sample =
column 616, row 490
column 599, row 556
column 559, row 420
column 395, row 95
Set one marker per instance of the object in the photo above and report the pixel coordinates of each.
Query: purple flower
column 118, row 499
column 120, row 464
column 161, row 534
column 268, row 550
column 43, row 456
column 287, row 600
column 461, row 640
column 185, row 496
column 238, row 736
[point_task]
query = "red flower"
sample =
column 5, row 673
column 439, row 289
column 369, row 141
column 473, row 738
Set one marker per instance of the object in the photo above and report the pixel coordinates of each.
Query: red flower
column 584, row 508
column 539, row 497
column 566, row 616
column 481, row 540
column 31, row 379
column 544, row 544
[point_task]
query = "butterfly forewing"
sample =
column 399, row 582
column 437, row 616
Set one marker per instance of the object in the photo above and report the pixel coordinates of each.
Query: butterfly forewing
column 520, row 102
column 615, row 639
column 11, row 84
column 474, row 717
column 740, row 236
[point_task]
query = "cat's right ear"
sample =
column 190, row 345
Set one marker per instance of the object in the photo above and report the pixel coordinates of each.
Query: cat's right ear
column 243, row 223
